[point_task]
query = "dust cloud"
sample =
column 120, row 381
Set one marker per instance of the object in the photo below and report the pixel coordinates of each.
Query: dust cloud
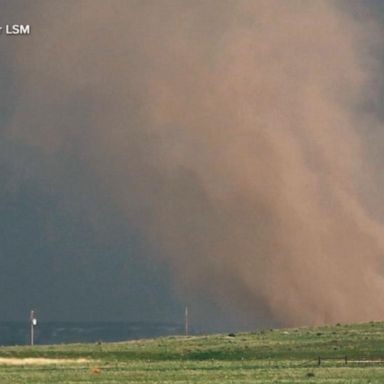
column 229, row 133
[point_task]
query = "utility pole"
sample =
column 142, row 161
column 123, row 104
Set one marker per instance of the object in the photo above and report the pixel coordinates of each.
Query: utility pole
column 32, row 318
column 186, row 321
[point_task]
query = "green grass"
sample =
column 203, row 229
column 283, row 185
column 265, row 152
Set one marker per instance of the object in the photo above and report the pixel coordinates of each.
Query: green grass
column 270, row 356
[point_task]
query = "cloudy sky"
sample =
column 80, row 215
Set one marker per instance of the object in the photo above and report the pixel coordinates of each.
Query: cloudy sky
column 221, row 154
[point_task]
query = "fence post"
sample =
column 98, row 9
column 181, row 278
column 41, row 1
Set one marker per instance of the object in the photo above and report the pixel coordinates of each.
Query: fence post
column 319, row 361
column 346, row 360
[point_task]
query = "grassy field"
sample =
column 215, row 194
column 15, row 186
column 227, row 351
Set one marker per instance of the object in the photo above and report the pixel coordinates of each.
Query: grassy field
column 348, row 354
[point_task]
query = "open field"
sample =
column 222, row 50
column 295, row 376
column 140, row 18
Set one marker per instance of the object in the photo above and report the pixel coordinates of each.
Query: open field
column 348, row 354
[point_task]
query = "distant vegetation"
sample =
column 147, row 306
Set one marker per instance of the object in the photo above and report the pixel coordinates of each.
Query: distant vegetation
column 332, row 354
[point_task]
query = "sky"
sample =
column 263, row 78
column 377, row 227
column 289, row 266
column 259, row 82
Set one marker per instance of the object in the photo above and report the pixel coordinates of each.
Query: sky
column 224, row 155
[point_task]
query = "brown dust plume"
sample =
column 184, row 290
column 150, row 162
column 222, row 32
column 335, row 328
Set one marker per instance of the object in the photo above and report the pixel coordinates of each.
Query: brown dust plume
column 229, row 134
